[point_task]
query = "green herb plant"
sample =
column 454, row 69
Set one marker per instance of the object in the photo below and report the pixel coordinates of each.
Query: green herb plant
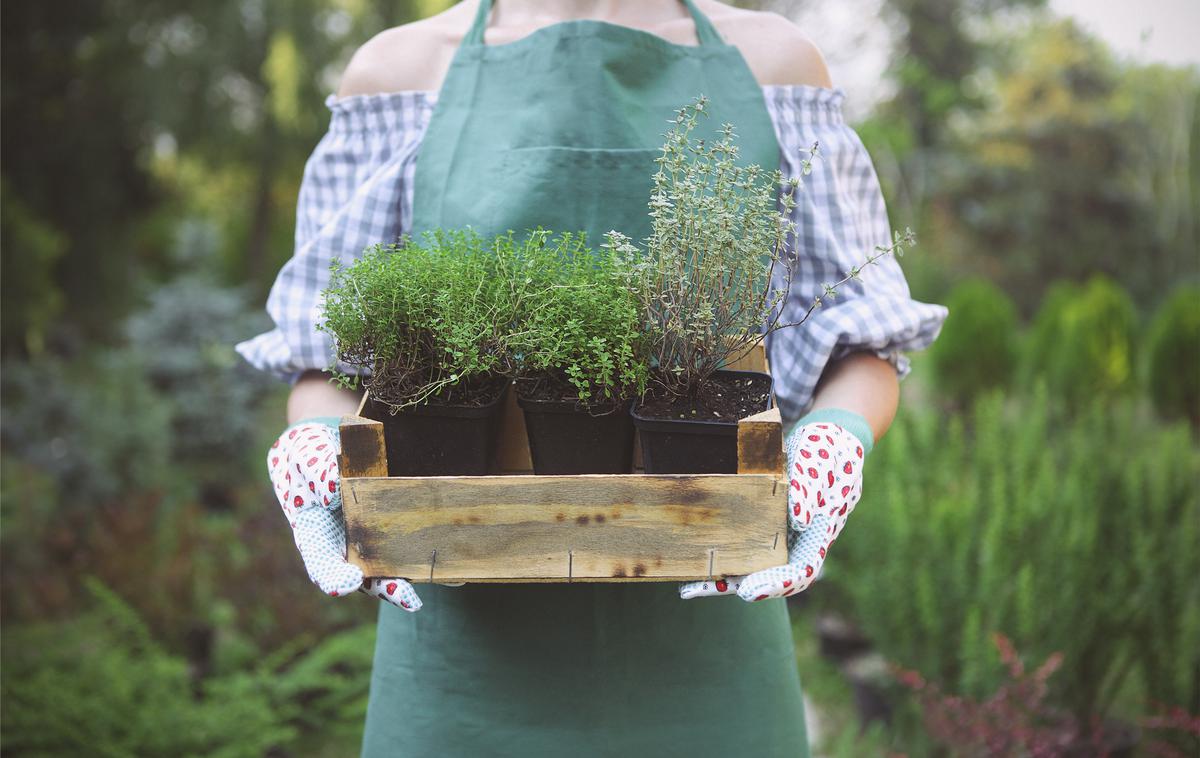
column 579, row 325
column 1030, row 514
column 429, row 320
column 716, row 274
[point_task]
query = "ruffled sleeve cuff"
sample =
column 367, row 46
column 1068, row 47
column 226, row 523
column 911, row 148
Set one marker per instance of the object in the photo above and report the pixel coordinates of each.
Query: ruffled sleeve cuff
column 355, row 193
column 841, row 220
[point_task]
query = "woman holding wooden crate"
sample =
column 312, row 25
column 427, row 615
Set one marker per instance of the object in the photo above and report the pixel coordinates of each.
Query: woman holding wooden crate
column 592, row 669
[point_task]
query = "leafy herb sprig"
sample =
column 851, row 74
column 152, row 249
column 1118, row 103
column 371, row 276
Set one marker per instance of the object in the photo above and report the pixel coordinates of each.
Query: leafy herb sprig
column 716, row 272
column 580, row 324
column 427, row 319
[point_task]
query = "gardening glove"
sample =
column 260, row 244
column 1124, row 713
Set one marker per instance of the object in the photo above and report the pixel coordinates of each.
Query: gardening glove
column 825, row 454
column 303, row 467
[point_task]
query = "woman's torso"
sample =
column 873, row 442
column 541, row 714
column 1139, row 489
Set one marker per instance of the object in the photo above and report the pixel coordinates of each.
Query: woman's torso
column 596, row 670
column 358, row 190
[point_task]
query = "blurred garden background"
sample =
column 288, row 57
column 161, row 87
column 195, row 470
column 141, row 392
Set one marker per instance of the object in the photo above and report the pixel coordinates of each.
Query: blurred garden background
column 1022, row 575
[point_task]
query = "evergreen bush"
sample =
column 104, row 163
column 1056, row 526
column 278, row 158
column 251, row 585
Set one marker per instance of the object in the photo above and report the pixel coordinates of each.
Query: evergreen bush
column 95, row 425
column 184, row 339
column 1082, row 342
column 102, row 685
column 977, row 346
column 1044, row 335
column 1173, row 355
column 109, row 422
column 1076, row 538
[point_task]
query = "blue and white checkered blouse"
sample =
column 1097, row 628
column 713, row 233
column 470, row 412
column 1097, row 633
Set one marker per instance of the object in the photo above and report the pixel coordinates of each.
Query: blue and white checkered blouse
column 357, row 191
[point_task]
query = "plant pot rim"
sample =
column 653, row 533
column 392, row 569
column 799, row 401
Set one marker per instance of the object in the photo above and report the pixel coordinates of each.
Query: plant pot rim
column 571, row 406
column 501, row 383
column 696, row 426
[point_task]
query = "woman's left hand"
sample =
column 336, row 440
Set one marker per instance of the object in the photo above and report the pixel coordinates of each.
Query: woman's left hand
column 825, row 482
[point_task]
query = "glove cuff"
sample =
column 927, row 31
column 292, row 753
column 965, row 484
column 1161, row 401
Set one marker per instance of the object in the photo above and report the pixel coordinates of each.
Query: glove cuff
column 333, row 421
column 852, row 422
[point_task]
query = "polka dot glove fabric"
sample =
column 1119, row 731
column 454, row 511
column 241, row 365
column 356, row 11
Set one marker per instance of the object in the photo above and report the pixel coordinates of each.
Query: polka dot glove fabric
column 825, row 482
column 303, row 468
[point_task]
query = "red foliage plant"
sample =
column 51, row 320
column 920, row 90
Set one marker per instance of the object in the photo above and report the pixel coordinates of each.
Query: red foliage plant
column 1178, row 721
column 1014, row 721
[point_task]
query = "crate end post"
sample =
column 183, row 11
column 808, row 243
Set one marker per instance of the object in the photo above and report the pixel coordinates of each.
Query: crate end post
column 363, row 452
column 760, row 444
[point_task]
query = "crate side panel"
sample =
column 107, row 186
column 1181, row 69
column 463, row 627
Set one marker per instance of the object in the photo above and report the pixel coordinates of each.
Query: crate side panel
column 545, row 528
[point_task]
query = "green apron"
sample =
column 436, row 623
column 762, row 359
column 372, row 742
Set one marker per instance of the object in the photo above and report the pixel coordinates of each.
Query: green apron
column 560, row 129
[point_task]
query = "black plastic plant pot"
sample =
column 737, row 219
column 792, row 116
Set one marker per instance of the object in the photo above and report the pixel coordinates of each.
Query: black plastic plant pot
column 565, row 438
column 683, row 446
column 442, row 440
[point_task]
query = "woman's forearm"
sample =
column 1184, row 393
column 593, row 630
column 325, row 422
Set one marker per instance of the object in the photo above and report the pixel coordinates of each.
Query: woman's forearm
column 863, row 383
column 313, row 395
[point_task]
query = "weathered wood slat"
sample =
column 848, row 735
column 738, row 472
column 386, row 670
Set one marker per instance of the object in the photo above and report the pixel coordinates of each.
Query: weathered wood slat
column 363, row 452
column 525, row 528
column 760, row 443
column 560, row 528
column 512, row 454
column 755, row 359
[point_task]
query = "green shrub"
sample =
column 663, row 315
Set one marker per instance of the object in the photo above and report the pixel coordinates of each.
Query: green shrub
column 182, row 341
column 428, row 318
column 1082, row 342
column 1044, row 335
column 95, row 425
column 977, row 347
column 1076, row 538
column 579, row 323
column 102, row 685
column 174, row 396
column 1173, row 347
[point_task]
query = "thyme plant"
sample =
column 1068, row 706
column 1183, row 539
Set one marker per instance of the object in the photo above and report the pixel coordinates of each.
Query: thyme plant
column 427, row 320
column 579, row 326
column 718, row 233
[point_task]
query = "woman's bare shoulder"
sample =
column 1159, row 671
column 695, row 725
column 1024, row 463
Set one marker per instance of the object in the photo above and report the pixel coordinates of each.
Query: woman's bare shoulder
column 416, row 56
column 412, row 56
column 777, row 50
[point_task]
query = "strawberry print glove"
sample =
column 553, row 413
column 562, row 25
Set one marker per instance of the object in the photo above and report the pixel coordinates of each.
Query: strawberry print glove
column 303, row 468
column 825, row 455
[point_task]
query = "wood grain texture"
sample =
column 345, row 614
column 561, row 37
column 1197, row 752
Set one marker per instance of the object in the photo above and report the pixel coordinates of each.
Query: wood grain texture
column 512, row 451
column 362, row 453
column 565, row 528
column 754, row 360
column 760, row 444
column 525, row 528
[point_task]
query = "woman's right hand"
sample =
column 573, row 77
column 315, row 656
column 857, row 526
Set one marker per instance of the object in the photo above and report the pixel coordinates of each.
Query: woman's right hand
column 304, row 471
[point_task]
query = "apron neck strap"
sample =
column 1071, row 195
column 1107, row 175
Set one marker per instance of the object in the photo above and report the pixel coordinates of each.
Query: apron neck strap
column 705, row 31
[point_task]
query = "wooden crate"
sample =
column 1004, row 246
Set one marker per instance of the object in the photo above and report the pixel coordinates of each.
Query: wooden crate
column 518, row 527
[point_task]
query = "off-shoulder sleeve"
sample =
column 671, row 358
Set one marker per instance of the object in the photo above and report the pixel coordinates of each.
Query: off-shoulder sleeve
column 840, row 219
column 355, row 192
